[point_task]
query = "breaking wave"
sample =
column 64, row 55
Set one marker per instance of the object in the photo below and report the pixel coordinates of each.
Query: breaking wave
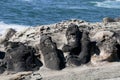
column 108, row 4
column 4, row 26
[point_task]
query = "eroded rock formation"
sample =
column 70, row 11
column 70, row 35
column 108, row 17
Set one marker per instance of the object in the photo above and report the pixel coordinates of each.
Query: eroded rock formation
column 53, row 57
column 95, row 42
column 20, row 57
column 107, row 43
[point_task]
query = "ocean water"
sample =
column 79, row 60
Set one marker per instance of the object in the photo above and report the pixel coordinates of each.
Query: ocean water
column 19, row 14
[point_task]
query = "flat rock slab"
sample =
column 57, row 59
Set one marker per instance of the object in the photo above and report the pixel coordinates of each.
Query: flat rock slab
column 110, row 71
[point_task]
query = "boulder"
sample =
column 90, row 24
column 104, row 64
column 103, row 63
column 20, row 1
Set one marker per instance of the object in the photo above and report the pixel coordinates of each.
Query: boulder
column 53, row 57
column 20, row 57
column 107, row 20
column 107, row 45
column 8, row 34
column 73, row 36
column 84, row 56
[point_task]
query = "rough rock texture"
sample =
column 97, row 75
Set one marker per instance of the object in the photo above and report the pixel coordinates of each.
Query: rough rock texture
column 2, row 65
column 53, row 57
column 8, row 34
column 104, row 70
column 20, row 57
column 108, row 19
column 107, row 43
column 73, row 35
column 85, row 55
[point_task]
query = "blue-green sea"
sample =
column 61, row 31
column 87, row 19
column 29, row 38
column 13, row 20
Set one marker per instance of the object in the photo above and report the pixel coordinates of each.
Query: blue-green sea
column 21, row 13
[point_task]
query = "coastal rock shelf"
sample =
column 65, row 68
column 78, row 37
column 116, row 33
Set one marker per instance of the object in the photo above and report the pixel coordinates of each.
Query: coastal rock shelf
column 78, row 50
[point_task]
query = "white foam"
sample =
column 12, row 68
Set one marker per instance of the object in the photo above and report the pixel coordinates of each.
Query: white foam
column 27, row 0
column 4, row 26
column 77, row 7
column 108, row 4
column 34, row 1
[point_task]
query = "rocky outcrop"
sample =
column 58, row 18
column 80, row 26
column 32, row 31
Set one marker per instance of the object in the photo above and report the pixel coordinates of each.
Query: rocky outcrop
column 53, row 57
column 2, row 65
column 108, row 19
column 20, row 57
column 103, row 39
column 8, row 34
column 106, row 41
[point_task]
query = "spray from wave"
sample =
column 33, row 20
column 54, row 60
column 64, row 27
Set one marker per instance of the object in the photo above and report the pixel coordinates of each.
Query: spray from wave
column 108, row 4
column 4, row 26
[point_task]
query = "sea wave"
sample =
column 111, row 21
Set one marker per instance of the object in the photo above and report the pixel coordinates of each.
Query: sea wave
column 37, row 1
column 108, row 4
column 4, row 26
column 28, row 0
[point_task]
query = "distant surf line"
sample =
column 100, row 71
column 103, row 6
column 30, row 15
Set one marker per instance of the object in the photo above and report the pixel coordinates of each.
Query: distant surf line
column 108, row 4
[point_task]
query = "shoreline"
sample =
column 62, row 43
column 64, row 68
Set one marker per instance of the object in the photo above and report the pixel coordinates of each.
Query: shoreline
column 31, row 36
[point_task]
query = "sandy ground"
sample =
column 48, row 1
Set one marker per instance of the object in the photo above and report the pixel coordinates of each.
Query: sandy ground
column 109, row 71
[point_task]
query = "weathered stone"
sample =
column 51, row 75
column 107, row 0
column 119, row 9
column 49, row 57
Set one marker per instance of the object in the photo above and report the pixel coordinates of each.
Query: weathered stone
column 73, row 36
column 84, row 56
column 107, row 45
column 53, row 57
column 8, row 34
column 107, row 20
column 20, row 57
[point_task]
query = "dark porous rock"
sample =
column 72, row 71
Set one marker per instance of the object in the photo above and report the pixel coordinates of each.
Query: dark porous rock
column 108, row 19
column 73, row 61
column 73, row 35
column 20, row 57
column 84, row 56
column 2, row 64
column 85, row 48
column 117, row 37
column 2, row 55
column 53, row 57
